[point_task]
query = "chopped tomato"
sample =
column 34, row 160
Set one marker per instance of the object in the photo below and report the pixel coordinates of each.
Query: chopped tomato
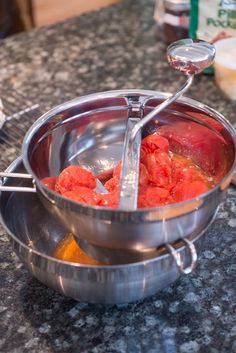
column 164, row 177
column 117, row 169
column 155, row 142
column 188, row 190
column 143, row 154
column 193, row 189
column 82, row 194
column 143, row 175
column 159, row 168
column 112, row 184
column 193, row 174
column 74, row 176
column 164, row 161
column 109, row 200
column 152, row 196
column 179, row 167
column 50, row 182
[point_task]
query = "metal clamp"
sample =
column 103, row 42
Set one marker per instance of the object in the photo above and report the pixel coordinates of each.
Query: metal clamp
column 17, row 188
column 176, row 256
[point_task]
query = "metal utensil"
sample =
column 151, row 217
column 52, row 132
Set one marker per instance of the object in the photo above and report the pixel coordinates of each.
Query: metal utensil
column 105, row 115
column 34, row 236
column 187, row 56
column 100, row 188
column 130, row 168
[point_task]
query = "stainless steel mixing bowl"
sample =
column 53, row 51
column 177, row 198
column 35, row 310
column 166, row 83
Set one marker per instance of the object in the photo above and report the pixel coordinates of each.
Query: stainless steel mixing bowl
column 35, row 234
column 90, row 131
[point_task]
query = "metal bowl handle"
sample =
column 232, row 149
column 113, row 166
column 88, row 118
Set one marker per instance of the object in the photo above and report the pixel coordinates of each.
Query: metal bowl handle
column 17, row 188
column 176, row 256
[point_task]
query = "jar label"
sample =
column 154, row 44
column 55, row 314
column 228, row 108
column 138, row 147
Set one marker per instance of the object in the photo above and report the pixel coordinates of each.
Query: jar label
column 214, row 22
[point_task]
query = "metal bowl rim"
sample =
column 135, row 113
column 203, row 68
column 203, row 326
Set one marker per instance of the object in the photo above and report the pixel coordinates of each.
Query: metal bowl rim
column 153, row 94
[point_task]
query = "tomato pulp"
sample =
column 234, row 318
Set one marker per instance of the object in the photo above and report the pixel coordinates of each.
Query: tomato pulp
column 164, row 178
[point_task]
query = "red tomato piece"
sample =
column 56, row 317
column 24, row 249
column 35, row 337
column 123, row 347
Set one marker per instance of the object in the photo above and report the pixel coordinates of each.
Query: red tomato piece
column 177, row 191
column 164, row 161
column 179, row 167
column 155, row 142
column 109, row 200
column 74, row 196
column 184, row 169
column 112, row 184
column 50, row 182
column 143, row 154
column 152, row 196
column 193, row 174
column 74, row 176
column 117, row 169
column 83, row 195
column 193, row 189
column 159, row 168
column 164, row 177
column 143, row 175
column 188, row 190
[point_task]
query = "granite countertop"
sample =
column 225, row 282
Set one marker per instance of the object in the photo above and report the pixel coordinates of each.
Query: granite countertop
column 115, row 48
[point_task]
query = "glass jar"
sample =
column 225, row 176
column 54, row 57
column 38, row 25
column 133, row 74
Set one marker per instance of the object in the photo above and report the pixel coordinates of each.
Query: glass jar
column 175, row 20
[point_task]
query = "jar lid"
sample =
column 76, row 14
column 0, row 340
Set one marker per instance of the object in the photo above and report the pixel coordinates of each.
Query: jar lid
column 177, row 5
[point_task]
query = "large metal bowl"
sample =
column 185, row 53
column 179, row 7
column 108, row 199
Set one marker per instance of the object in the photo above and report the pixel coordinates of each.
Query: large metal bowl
column 35, row 234
column 90, row 131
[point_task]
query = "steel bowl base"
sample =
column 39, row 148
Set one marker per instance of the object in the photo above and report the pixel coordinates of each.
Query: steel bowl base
column 34, row 234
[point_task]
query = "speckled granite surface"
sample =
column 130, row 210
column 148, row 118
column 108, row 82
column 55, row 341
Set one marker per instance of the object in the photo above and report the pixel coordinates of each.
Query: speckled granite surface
column 112, row 49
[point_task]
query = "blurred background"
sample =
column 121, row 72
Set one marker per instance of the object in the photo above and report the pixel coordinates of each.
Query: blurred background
column 23, row 15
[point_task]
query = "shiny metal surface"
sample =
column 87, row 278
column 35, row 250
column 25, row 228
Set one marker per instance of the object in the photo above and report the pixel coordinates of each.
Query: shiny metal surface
column 129, row 175
column 100, row 188
column 92, row 129
column 118, row 257
column 178, row 259
column 14, row 188
column 34, row 234
column 190, row 56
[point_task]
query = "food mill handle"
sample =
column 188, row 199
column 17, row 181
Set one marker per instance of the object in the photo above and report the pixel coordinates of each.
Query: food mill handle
column 161, row 107
column 16, row 188
column 188, row 56
column 178, row 259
